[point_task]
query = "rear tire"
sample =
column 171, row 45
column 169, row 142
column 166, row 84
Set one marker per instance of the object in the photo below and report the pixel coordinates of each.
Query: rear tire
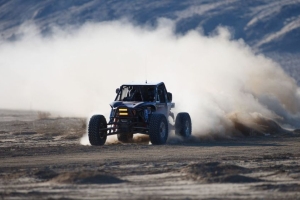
column 158, row 129
column 125, row 137
column 183, row 125
column 97, row 136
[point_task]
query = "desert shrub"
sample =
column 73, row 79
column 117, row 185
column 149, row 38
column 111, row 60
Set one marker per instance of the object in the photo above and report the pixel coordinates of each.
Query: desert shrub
column 43, row 115
column 83, row 123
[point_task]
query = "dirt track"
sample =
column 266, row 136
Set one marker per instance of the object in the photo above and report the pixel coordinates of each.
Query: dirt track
column 42, row 159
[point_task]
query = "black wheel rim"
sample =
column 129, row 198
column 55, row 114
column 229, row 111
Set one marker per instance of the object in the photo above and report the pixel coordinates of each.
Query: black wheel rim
column 162, row 129
column 187, row 129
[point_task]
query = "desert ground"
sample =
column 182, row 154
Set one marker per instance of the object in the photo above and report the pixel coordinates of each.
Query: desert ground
column 42, row 158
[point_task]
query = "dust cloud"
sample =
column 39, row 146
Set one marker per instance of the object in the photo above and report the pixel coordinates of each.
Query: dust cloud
column 75, row 71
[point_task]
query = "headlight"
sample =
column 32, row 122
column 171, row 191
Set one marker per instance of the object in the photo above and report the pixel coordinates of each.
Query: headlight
column 123, row 111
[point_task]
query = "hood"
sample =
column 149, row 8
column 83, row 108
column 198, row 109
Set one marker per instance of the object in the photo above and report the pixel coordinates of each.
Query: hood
column 130, row 104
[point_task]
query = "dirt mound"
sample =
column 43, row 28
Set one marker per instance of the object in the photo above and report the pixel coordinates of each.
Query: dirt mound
column 85, row 178
column 215, row 172
column 25, row 133
column 45, row 174
column 214, row 168
column 297, row 131
column 254, row 125
column 235, row 179
column 245, row 130
column 294, row 187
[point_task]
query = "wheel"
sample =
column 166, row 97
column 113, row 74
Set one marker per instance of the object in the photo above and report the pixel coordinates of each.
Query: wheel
column 183, row 125
column 125, row 137
column 158, row 129
column 96, row 135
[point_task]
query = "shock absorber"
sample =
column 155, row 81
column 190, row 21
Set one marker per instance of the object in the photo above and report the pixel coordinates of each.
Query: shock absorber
column 146, row 114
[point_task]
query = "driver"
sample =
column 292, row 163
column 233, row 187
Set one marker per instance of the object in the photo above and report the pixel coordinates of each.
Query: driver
column 151, row 94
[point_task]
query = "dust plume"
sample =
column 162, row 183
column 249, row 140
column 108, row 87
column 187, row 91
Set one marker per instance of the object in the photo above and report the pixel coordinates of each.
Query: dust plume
column 75, row 71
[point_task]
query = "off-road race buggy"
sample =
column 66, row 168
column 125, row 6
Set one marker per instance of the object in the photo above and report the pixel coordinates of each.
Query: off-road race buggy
column 140, row 108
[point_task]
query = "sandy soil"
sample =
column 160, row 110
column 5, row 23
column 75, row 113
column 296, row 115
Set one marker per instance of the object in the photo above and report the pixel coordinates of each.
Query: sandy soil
column 42, row 159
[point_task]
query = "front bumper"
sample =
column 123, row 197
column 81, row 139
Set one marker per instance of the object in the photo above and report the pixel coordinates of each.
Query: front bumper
column 127, row 120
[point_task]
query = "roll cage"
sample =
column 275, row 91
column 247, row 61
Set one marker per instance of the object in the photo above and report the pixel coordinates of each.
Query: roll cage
column 146, row 93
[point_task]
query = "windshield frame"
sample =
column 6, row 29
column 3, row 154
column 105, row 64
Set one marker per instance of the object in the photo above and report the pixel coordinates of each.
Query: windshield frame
column 138, row 88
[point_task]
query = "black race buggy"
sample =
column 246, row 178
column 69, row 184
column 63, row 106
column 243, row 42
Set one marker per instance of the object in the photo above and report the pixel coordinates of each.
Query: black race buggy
column 140, row 108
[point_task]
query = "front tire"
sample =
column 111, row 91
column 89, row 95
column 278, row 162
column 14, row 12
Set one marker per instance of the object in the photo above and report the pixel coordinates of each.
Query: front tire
column 97, row 136
column 183, row 125
column 158, row 129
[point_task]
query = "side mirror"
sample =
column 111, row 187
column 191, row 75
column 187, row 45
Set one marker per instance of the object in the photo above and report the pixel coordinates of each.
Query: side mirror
column 117, row 90
column 169, row 94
